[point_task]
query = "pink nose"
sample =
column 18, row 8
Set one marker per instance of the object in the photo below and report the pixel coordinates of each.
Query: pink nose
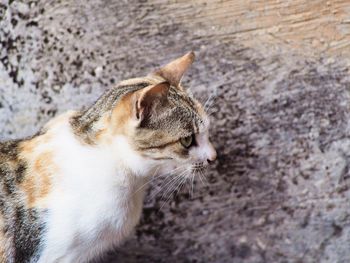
column 211, row 154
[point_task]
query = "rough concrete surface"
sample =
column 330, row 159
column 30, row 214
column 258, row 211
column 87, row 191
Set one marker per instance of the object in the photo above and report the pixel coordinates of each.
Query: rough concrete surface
column 279, row 191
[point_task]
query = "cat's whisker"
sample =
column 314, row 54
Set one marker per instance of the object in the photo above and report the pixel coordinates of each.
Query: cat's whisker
column 200, row 178
column 176, row 169
column 209, row 114
column 166, row 181
column 210, row 101
column 193, row 175
column 170, row 186
column 190, row 178
column 205, row 178
column 173, row 188
column 186, row 178
column 209, row 105
column 174, row 181
column 172, row 172
column 166, row 184
column 179, row 177
column 148, row 181
column 176, row 189
column 189, row 191
column 206, row 103
column 211, row 95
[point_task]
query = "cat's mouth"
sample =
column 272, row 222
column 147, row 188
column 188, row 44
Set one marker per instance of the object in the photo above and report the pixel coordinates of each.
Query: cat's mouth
column 198, row 167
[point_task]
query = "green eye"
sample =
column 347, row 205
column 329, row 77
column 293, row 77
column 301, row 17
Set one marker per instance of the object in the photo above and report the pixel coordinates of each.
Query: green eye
column 187, row 141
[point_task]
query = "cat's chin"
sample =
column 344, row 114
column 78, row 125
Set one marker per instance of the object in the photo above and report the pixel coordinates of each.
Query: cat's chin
column 185, row 169
column 173, row 168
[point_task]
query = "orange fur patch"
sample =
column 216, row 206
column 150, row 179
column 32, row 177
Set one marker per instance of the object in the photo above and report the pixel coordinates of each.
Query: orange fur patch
column 41, row 168
column 118, row 122
column 122, row 114
column 28, row 147
column 36, row 184
column 104, row 124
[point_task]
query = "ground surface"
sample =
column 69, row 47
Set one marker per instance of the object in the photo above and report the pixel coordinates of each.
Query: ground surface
column 279, row 191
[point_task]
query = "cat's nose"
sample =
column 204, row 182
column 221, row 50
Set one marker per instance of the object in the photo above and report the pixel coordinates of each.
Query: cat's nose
column 210, row 161
column 211, row 155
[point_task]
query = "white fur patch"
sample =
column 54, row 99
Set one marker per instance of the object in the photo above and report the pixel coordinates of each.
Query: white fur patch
column 95, row 201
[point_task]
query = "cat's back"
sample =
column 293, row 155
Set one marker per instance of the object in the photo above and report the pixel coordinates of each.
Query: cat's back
column 8, row 156
column 27, row 171
column 21, row 226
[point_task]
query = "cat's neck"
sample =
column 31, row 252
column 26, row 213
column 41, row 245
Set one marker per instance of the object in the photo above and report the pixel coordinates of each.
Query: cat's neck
column 113, row 156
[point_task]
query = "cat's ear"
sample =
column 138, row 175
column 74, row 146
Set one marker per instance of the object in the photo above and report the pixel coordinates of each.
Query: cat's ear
column 174, row 71
column 148, row 99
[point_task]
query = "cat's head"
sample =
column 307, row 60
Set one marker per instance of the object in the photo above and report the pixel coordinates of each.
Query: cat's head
column 161, row 122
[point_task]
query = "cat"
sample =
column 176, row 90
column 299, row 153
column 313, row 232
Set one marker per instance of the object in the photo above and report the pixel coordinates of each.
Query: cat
column 72, row 191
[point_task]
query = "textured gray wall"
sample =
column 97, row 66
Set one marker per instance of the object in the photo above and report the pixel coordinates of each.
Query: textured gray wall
column 279, row 191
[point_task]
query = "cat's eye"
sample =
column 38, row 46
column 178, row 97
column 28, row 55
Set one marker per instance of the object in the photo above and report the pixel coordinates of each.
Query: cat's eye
column 188, row 141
